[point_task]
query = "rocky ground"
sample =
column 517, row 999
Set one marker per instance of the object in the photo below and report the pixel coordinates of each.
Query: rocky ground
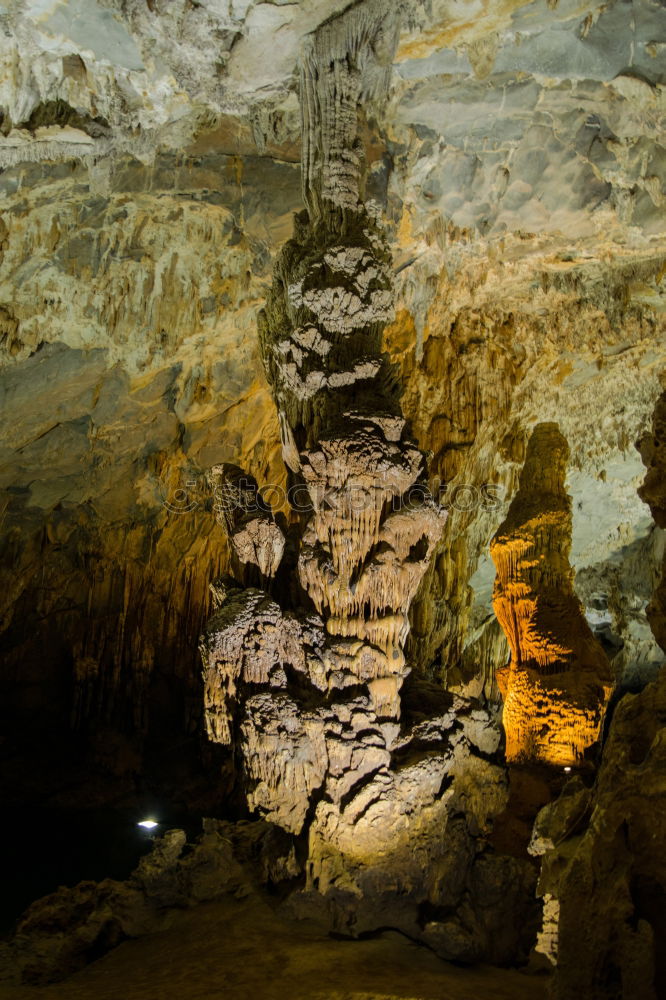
column 240, row 950
column 216, row 914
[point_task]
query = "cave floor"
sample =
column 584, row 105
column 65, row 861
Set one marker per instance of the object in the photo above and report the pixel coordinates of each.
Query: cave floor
column 238, row 949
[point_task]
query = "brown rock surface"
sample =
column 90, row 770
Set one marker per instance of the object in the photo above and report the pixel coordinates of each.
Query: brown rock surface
column 66, row 930
column 603, row 873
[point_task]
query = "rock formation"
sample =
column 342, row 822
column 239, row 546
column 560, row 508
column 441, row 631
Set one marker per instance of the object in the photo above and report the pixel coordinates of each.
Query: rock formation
column 603, row 875
column 149, row 157
column 72, row 927
column 653, row 491
column 256, row 538
column 313, row 697
column 238, row 943
column 558, row 680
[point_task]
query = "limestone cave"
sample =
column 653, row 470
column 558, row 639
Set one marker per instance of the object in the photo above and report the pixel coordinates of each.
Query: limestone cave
column 333, row 499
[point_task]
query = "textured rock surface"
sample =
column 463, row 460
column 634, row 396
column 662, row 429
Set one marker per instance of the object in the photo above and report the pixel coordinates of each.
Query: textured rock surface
column 70, row 928
column 256, row 538
column 513, row 144
column 603, row 877
column 106, row 509
column 397, row 815
column 149, row 152
column 558, row 681
column 653, row 492
column 603, row 872
column 150, row 177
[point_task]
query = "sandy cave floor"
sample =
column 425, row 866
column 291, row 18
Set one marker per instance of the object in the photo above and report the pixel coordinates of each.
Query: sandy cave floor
column 235, row 950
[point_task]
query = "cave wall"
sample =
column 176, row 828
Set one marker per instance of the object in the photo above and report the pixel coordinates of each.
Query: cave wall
column 130, row 366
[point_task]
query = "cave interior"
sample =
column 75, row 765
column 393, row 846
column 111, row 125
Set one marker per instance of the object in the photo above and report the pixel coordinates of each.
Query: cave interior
column 333, row 499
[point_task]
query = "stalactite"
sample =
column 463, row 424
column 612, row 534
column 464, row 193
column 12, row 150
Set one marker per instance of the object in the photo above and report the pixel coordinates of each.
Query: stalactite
column 346, row 62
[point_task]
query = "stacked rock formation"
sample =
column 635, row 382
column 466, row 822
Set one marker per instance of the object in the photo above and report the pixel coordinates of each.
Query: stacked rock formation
column 307, row 684
column 558, row 681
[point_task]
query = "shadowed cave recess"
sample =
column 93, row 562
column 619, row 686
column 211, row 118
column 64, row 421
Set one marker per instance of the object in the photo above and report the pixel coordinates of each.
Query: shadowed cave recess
column 333, row 493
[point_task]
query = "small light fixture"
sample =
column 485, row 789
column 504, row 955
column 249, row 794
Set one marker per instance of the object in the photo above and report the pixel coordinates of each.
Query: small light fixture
column 567, row 769
column 148, row 824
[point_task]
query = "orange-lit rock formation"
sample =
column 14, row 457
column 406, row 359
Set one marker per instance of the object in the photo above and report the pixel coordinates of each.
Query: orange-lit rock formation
column 558, row 681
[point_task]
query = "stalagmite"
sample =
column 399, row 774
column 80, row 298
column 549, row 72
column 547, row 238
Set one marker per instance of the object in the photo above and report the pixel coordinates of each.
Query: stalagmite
column 199, row 316
column 372, row 525
column 558, row 681
column 313, row 700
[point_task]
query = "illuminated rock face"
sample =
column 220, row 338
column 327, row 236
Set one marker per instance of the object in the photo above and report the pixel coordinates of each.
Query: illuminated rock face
column 604, row 848
column 558, row 680
column 396, row 811
column 369, row 525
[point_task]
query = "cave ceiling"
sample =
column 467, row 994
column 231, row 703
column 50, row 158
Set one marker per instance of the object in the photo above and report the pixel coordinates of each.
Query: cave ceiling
column 149, row 172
